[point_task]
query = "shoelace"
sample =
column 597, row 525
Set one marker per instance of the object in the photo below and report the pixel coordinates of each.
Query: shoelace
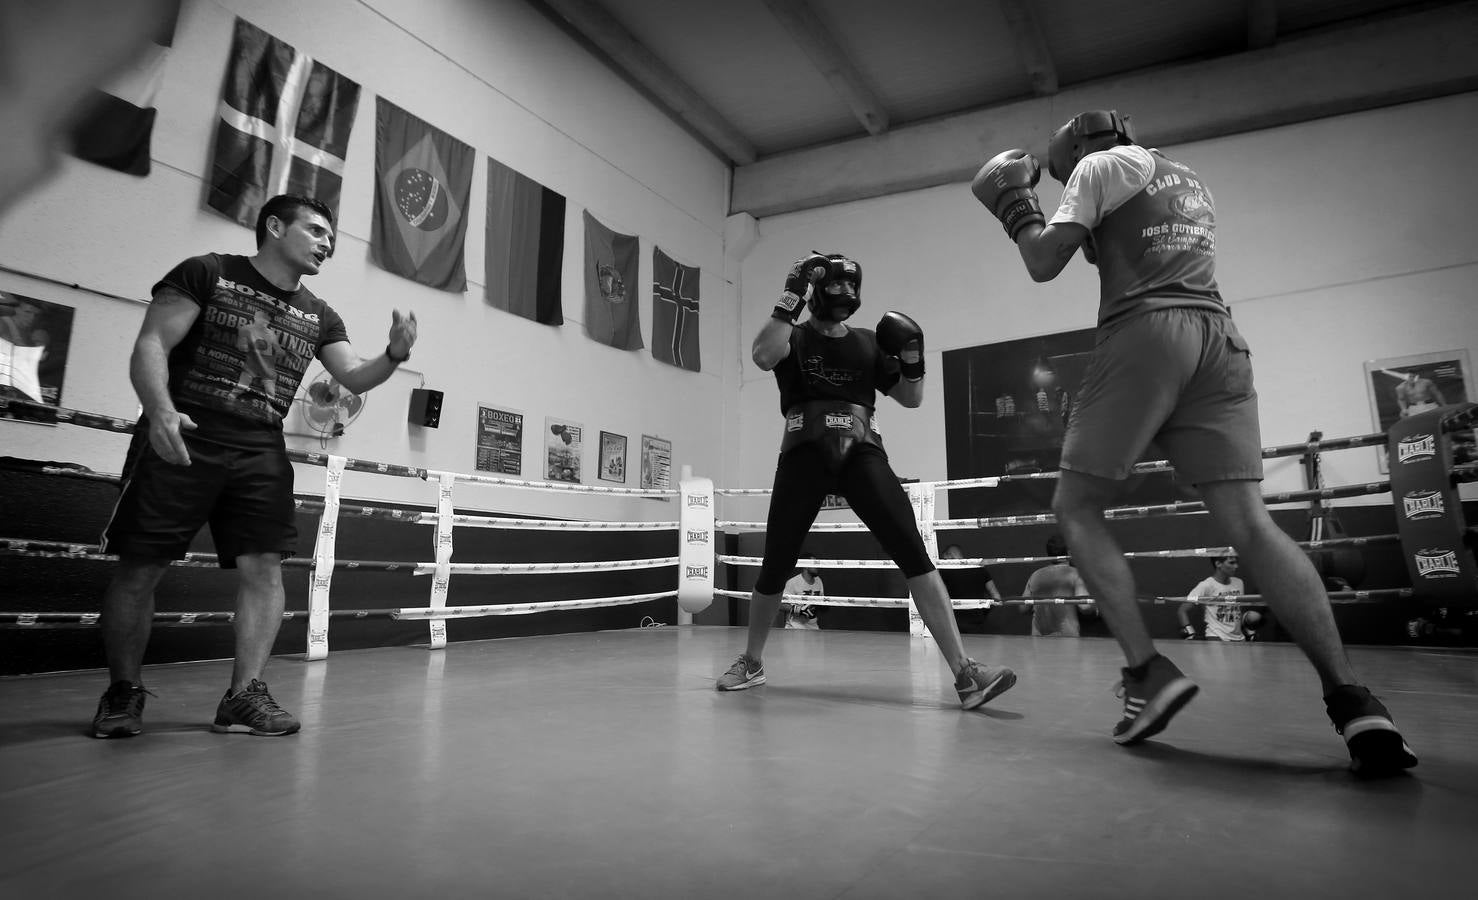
column 130, row 701
column 256, row 694
column 741, row 666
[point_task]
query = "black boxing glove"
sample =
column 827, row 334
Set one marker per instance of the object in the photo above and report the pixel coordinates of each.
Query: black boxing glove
column 1005, row 185
column 798, row 284
column 900, row 336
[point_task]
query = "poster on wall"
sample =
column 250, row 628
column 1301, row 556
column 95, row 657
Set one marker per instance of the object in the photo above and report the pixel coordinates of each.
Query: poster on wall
column 562, row 443
column 35, row 336
column 1007, row 406
column 656, row 463
column 612, row 457
column 499, row 440
column 1405, row 385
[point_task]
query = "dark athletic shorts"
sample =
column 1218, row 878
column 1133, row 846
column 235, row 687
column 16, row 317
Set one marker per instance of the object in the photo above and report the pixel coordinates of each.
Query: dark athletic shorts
column 246, row 496
column 1180, row 377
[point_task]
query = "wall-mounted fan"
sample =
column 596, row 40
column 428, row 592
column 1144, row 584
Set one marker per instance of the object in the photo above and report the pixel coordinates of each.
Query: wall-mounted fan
column 329, row 407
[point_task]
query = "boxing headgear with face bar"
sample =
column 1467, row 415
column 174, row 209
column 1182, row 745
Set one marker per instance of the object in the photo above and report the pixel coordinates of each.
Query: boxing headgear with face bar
column 1088, row 131
column 837, row 304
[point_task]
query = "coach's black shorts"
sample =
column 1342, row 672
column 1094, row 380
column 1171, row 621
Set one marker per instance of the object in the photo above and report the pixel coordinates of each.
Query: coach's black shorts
column 246, row 496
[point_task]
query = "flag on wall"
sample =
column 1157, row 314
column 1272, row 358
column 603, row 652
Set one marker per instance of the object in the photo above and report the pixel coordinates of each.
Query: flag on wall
column 674, row 312
column 423, row 182
column 115, row 130
column 525, row 245
column 611, row 263
column 284, row 128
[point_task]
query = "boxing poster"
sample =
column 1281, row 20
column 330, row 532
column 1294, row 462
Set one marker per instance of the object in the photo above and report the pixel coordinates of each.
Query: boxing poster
column 1404, row 386
column 499, row 441
column 562, row 443
column 612, row 457
column 34, row 339
column 656, row 463
column 1007, row 406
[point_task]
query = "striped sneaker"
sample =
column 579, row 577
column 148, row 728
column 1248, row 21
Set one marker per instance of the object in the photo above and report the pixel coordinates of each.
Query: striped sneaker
column 252, row 710
column 746, row 672
column 1376, row 747
column 1153, row 692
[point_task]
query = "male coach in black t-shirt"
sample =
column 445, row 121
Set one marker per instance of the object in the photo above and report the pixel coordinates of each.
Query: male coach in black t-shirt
column 218, row 359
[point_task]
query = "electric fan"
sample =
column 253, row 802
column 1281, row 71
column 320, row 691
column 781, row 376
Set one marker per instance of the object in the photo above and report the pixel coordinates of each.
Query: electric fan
column 329, row 407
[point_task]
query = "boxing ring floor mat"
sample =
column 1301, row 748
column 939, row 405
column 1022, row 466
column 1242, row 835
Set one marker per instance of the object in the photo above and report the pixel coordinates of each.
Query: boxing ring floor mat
column 605, row 765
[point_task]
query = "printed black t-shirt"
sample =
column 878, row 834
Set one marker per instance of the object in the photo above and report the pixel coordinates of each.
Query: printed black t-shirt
column 849, row 368
column 237, row 369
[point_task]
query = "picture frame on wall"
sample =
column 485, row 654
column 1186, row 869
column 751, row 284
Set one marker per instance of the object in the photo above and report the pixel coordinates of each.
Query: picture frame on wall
column 1007, row 407
column 656, row 464
column 563, row 442
column 499, row 446
column 1401, row 386
column 612, row 457
column 35, row 337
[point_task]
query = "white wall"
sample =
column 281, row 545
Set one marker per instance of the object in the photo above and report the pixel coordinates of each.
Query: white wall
column 494, row 74
column 1340, row 240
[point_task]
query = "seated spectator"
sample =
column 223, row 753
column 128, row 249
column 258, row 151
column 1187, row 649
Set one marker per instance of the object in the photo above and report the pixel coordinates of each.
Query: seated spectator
column 1223, row 621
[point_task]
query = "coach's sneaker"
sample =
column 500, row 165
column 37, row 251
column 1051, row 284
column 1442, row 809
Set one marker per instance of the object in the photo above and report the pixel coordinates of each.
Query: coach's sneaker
column 121, row 711
column 977, row 684
column 746, row 672
column 1376, row 747
column 1153, row 692
column 252, row 710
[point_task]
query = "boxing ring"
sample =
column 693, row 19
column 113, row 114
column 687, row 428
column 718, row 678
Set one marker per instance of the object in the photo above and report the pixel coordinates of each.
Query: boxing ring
column 605, row 765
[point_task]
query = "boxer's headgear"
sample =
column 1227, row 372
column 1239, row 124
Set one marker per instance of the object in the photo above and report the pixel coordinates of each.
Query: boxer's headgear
column 837, row 306
column 1088, row 131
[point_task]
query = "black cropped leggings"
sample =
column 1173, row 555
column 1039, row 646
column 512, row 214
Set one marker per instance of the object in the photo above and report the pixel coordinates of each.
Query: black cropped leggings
column 802, row 481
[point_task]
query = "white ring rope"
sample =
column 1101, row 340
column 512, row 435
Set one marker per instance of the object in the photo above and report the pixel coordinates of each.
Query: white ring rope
column 467, row 521
column 556, row 486
column 819, row 526
column 516, row 609
column 546, row 568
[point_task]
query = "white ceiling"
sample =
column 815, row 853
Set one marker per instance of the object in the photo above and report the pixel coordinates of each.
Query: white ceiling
column 772, row 86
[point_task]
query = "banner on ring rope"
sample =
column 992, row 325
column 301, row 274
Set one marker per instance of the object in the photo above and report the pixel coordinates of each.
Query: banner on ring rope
column 921, row 496
column 1429, row 513
column 695, row 545
column 323, row 560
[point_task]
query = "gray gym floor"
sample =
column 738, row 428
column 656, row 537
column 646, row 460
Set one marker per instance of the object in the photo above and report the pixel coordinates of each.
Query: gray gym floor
column 605, row 765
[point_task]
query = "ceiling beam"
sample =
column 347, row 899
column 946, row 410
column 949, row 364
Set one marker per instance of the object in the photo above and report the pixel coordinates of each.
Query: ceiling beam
column 1262, row 23
column 1392, row 60
column 815, row 39
column 1031, row 46
column 633, row 59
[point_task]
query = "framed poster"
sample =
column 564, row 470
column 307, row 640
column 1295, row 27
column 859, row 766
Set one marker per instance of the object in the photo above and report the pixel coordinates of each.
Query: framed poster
column 612, row 457
column 562, row 444
column 34, row 339
column 499, row 440
column 1405, row 385
column 656, row 463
